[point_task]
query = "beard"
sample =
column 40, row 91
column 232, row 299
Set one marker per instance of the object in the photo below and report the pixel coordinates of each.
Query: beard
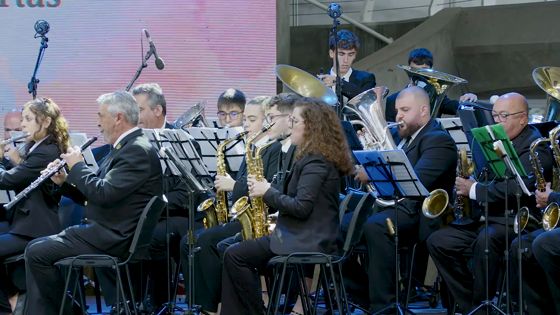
column 408, row 130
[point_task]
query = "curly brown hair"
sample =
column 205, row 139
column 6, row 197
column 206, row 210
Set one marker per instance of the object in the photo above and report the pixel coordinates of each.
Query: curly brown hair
column 323, row 134
column 44, row 107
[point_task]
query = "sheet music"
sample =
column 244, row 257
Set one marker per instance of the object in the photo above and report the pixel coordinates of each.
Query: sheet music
column 455, row 128
column 402, row 173
column 183, row 145
column 78, row 139
column 6, row 196
column 210, row 138
column 512, row 168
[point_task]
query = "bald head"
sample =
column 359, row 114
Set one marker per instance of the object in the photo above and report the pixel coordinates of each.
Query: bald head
column 413, row 109
column 511, row 111
column 12, row 122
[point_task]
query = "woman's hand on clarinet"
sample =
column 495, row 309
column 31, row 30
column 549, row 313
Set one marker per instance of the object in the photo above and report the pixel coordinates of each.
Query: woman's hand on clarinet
column 257, row 188
column 59, row 177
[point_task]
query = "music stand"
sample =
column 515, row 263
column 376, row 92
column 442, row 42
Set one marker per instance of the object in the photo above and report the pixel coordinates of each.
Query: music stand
column 393, row 177
column 179, row 155
column 210, row 138
column 504, row 162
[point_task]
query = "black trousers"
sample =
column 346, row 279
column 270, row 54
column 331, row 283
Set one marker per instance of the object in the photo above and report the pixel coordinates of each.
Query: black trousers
column 452, row 247
column 208, row 264
column 45, row 283
column 546, row 248
column 241, row 293
column 536, row 296
column 381, row 257
column 10, row 244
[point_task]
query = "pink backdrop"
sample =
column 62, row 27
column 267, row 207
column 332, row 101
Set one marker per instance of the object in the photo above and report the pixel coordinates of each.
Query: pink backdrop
column 94, row 48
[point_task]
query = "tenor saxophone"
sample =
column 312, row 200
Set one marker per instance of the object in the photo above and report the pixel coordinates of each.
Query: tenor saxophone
column 216, row 208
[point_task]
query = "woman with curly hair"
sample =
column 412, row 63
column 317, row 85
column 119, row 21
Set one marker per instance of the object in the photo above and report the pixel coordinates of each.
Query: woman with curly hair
column 37, row 214
column 307, row 206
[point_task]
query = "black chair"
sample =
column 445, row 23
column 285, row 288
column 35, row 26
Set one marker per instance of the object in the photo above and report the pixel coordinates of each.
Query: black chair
column 138, row 251
column 328, row 276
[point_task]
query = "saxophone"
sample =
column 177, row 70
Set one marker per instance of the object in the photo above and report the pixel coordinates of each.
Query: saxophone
column 462, row 203
column 551, row 212
column 217, row 208
column 553, row 136
column 253, row 215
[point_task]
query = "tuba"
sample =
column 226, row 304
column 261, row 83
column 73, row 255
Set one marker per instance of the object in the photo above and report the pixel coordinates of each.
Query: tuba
column 550, row 213
column 253, row 215
column 440, row 81
column 216, row 209
column 438, row 201
column 193, row 117
column 548, row 79
column 367, row 106
column 305, row 84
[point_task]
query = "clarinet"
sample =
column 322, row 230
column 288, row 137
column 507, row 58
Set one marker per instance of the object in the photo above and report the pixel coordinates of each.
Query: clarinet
column 46, row 175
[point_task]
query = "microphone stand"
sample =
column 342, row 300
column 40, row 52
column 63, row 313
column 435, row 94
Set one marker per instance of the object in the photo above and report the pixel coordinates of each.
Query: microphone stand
column 144, row 64
column 32, row 85
column 338, row 80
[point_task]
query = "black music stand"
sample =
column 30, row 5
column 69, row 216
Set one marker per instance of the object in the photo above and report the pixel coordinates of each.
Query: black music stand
column 394, row 178
column 503, row 160
column 179, row 155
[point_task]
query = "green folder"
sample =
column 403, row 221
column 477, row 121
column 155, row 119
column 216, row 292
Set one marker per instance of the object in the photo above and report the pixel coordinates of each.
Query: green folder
column 486, row 136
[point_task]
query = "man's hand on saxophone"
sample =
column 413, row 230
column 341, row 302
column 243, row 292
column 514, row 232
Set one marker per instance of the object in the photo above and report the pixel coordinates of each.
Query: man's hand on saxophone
column 257, row 188
column 463, row 186
column 224, row 183
column 542, row 196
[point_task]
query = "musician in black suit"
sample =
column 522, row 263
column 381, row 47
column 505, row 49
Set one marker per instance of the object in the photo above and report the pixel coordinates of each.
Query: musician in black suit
column 422, row 58
column 433, row 155
column 307, row 205
column 37, row 214
column 452, row 246
column 207, row 261
column 537, row 297
column 116, row 195
column 353, row 81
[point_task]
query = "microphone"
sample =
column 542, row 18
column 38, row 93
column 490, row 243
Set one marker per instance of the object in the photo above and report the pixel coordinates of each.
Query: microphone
column 335, row 10
column 42, row 27
column 159, row 62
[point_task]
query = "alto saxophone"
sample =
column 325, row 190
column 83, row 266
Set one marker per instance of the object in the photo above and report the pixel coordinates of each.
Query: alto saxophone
column 253, row 214
column 463, row 203
column 550, row 214
column 217, row 208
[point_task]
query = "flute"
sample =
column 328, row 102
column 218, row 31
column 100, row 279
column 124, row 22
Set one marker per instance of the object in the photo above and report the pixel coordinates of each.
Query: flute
column 46, row 175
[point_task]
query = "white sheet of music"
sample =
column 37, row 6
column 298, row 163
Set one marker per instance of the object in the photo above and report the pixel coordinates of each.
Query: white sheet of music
column 78, row 139
column 454, row 126
column 210, row 138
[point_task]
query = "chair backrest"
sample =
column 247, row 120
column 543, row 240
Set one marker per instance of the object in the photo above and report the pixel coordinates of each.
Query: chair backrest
column 145, row 228
column 358, row 215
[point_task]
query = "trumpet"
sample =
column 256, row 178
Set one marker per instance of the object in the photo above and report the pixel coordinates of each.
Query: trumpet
column 14, row 139
column 44, row 176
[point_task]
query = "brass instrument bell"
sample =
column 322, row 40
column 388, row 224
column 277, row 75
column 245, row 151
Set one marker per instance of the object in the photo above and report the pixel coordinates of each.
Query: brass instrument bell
column 305, row 84
column 548, row 79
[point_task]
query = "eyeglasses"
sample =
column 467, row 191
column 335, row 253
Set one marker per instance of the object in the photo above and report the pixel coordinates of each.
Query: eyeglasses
column 503, row 116
column 232, row 115
column 293, row 121
column 271, row 118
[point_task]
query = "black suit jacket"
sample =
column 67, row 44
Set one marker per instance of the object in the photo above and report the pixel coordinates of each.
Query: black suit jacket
column 270, row 157
column 36, row 215
column 359, row 81
column 308, row 208
column 496, row 188
column 433, row 156
column 448, row 106
column 116, row 195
